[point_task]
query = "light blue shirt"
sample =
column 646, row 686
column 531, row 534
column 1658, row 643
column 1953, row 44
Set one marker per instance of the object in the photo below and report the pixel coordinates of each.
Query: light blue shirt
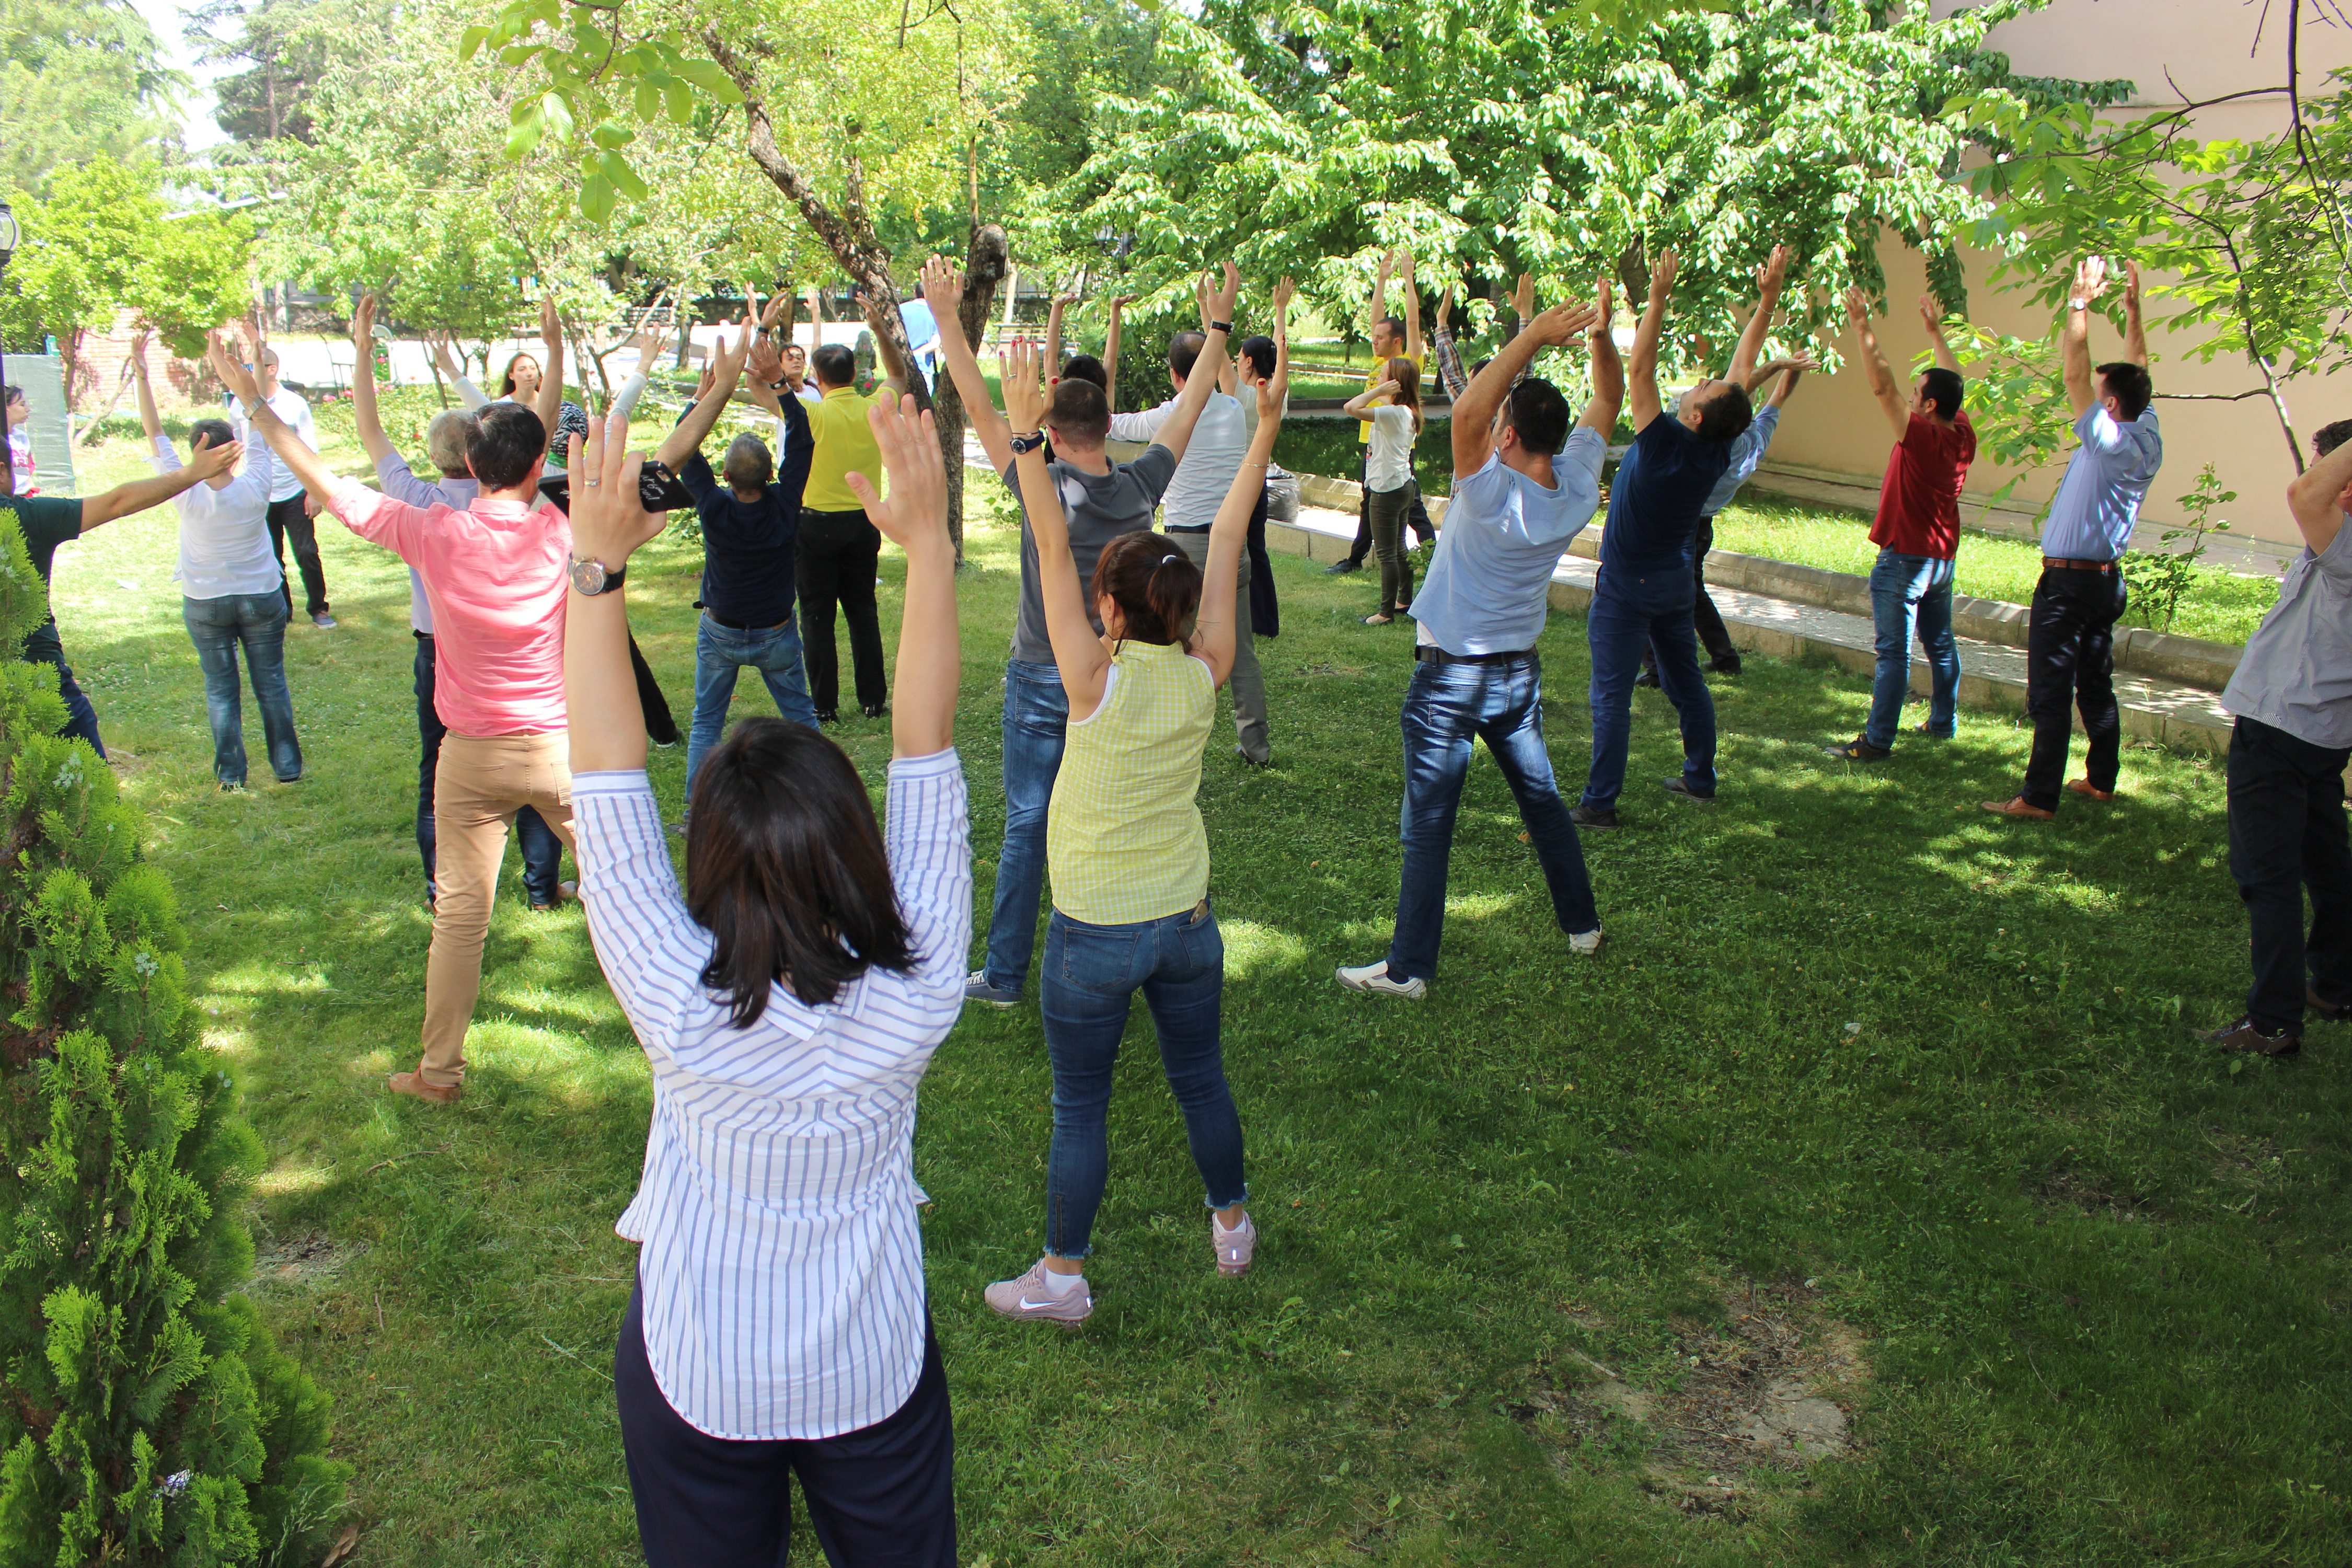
column 1746, row 453
column 1490, row 582
column 2296, row 672
column 921, row 327
column 2098, row 501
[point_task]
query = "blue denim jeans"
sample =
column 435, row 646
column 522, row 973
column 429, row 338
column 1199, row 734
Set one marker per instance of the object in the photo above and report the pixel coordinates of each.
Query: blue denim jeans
column 1036, row 718
column 1446, row 706
column 1626, row 616
column 1092, row 974
column 81, row 719
column 718, row 652
column 256, row 623
column 1908, row 593
column 542, row 851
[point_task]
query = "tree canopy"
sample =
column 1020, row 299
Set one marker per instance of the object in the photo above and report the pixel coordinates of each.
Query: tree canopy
column 79, row 79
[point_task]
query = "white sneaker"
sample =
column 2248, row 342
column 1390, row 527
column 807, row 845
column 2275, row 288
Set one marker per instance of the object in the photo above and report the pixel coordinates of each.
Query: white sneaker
column 1586, row 941
column 1031, row 1297
column 1376, row 977
column 1236, row 1248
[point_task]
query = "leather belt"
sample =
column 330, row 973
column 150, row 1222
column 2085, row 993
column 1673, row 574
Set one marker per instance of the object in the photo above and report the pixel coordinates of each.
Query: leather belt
column 1195, row 528
column 741, row 627
column 2055, row 563
column 1425, row 654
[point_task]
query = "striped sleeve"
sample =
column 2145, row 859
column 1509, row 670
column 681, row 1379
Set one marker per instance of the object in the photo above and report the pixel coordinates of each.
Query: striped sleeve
column 928, row 836
column 651, row 949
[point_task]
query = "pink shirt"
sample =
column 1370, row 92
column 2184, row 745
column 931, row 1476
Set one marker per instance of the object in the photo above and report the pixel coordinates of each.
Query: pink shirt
column 495, row 575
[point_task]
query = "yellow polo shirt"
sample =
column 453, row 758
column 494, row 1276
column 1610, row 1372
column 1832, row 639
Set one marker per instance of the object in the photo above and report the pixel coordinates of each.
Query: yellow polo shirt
column 843, row 443
column 1364, row 426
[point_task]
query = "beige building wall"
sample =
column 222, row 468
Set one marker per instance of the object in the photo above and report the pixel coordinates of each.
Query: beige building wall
column 2208, row 47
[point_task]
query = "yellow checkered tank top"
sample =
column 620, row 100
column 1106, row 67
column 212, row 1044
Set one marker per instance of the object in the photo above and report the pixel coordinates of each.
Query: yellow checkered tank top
column 1124, row 840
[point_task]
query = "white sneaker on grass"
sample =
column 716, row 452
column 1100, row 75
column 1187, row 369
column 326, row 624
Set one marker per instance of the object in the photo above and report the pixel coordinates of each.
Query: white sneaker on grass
column 1376, row 978
column 1042, row 1296
column 1586, row 941
column 1235, row 1248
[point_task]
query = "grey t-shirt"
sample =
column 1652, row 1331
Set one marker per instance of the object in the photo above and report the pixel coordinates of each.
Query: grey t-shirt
column 2296, row 672
column 1099, row 507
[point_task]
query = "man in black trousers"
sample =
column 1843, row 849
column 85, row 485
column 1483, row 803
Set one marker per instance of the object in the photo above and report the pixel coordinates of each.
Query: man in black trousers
column 2293, row 698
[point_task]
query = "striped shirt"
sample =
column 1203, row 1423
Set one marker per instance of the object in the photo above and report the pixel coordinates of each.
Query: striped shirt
column 1124, row 840
column 782, row 1270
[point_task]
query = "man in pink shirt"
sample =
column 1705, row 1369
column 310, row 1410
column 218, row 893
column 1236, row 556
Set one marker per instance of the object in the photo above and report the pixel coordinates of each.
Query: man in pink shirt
column 495, row 574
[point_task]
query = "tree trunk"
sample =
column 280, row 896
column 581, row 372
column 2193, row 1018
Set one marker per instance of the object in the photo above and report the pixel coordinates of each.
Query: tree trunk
column 985, row 265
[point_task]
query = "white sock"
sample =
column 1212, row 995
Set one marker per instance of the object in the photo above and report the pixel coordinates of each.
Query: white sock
column 1060, row 1285
column 1222, row 1229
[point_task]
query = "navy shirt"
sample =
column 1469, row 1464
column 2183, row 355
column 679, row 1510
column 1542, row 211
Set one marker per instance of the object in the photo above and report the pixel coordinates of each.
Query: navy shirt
column 747, row 546
column 1660, row 493
column 46, row 521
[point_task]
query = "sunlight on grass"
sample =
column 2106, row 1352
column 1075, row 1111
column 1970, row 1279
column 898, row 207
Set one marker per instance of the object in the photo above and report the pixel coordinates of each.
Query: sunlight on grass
column 1253, row 950
column 292, row 1181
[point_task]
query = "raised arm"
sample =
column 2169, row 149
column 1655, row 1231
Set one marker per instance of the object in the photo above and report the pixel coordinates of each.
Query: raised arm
column 1377, row 306
column 1474, row 412
column 1883, row 385
column 1641, row 374
column 894, row 368
column 550, row 403
column 608, row 523
column 1078, row 652
column 309, row 468
column 1769, row 280
column 1608, row 368
column 1176, row 434
column 2135, row 330
column 204, row 463
column 915, row 516
column 943, row 292
column 1931, row 316
column 363, row 409
column 1054, row 334
column 1119, row 302
column 1227, row 381
column 2074, row 337
column 1364, row 402
column 726, row 373
column 1441, row 347
column 149, row 421
column 1792, row 370
column 2316, row 497
column 1214, row 627
column 1416, row 350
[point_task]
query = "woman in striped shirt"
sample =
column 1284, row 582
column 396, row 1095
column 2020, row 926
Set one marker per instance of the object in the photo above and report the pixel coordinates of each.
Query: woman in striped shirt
column 788, row 1003
column 1124, row 842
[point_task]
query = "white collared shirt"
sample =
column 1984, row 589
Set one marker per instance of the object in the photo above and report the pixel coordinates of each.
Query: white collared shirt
column 293, row 409
column 1212, row 457
column 225, row 533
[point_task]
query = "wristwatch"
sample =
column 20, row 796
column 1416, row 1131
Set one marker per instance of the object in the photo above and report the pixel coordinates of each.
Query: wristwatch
column 1029, row 443
column 1224, row 327
column 2078, row 304
column 592, row 577
column 778, row 386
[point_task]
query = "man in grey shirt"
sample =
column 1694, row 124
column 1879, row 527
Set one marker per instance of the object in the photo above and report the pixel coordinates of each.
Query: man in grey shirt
column 1101, row 500
column 2293, row 698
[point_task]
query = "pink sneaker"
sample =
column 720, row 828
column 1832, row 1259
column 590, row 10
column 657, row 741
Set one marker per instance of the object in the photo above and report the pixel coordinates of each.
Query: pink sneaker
column 1030, row 1297
column 1235, row 1248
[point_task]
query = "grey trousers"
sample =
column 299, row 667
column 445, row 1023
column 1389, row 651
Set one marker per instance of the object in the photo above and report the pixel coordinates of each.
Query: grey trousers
column 1248, row 682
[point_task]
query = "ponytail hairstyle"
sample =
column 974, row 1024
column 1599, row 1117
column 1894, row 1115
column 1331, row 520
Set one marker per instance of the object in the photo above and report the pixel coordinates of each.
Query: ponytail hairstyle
column 1155, row 585
column 1407, row 376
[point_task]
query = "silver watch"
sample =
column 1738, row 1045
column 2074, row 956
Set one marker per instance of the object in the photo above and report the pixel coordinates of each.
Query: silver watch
column 592, row 577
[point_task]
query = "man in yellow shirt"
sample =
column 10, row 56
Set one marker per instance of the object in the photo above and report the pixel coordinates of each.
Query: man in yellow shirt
column 1391, row 339
column 838, row 546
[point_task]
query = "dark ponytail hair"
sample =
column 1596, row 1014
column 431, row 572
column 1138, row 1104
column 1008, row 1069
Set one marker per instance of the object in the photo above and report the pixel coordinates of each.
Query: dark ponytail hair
column 1155, row 584
column 785, row 869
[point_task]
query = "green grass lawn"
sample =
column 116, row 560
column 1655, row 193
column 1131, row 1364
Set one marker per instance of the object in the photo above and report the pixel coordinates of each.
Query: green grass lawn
column 1869, row 1097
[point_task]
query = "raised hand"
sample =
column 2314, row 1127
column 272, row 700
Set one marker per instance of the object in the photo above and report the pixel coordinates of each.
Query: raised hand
column 942, row 286
column 1769, row 277
column 551, row 328
column 228, row 365
column 2090, row 278
column 211, row 462
column 1662, row 273
column 1384, row 387
column 766, row 362
column 915, row 514
column 1563, row 323
column 776, row 307
column 1404, row 266
column 139, row 351
column 1200, row 299
column 1388, row 264
column 2131, row 287
column 1523, row 297
column 1283, row 290
column 1221, row 303
column 1121, row 301
column 609, row 519
column 726, row 363
column 1018, row 367
column 1446, row 308
column 1603, row 314
column 364, row 324
column 1931, row 315
column 1857, row 304
column 1065, row 301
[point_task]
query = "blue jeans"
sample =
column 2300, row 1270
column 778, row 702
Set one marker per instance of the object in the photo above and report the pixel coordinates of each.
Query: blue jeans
column 1651, row 611
column 1036, row 718
column 1092, row 974
column 1909, row 593
column 256, row 623
column 542, row 851
column 718, row 652
column 1445, row 707
column 81, row 719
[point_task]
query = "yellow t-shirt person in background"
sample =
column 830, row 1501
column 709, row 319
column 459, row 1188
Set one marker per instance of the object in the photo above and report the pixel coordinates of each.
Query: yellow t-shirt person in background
column 1392, row 337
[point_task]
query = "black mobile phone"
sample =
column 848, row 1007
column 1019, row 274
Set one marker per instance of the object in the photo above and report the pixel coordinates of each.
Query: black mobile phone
column 658, row 488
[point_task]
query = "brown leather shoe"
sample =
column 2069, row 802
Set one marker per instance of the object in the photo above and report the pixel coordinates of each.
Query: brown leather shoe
column 434, row 1094
column 2017, row 807
column 2085, row 786
column 2241, row 1036
column 2332, row 1012
column 565, row 893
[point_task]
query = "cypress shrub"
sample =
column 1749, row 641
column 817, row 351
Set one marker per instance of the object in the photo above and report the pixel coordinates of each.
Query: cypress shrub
column 145, row 1415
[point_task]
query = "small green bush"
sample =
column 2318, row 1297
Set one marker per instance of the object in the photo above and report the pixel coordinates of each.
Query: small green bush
column 146, row 1416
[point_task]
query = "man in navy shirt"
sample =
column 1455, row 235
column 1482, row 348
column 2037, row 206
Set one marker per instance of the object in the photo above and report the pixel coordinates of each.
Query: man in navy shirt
column 1644, row 593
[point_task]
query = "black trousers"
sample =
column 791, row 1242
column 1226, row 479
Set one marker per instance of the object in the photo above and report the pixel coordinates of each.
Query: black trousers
column 2070, row 654
column 542, row 851
column 287, row 520
column 661, row 724
column 880, row 1497
column 834, row 559
column 1705, row 616
column 1265, row 614
column 1416, row 515
column 2287, row 837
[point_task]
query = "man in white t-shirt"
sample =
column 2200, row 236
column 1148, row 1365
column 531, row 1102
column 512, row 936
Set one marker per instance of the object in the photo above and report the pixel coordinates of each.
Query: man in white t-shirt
column 1189, row 506
column 1524, row 485
column 290, row 516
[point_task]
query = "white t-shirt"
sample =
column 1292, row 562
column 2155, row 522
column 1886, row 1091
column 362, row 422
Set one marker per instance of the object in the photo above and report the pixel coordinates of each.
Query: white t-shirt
column 1388, row 461
column 295, row 410
column 1220, row 441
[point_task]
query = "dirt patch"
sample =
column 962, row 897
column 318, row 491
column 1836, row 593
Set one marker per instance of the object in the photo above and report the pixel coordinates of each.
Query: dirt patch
column 300, row 1260
column 1772, row 1386
column 2092, row 1194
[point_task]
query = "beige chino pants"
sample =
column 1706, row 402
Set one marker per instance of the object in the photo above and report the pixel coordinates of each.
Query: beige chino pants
column 480, row 783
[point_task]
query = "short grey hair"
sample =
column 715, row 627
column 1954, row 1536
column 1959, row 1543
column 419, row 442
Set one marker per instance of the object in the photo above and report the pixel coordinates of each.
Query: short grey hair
column 447, row 440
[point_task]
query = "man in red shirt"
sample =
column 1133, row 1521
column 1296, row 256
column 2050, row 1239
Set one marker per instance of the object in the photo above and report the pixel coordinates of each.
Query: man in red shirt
column 1918, row 533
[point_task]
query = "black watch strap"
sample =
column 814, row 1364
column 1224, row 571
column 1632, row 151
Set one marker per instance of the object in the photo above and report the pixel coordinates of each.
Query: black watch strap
column 1224, row 327
column 1030, row 442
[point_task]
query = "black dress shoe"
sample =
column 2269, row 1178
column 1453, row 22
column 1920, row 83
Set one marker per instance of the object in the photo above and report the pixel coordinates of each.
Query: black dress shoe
column 2331, row 1011
column 1589, row 817
column 1340, row 568
column 1727, row 664
column 828, row 717
column 1648, row 677
column 875, row 711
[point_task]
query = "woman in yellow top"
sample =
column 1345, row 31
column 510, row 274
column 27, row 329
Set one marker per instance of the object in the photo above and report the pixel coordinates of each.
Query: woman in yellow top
column 1124, row 842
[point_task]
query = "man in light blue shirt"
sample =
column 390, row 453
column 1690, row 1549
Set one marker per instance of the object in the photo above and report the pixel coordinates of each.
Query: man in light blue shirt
column 2070, row 647
column 1524, row 486
column 922, row 330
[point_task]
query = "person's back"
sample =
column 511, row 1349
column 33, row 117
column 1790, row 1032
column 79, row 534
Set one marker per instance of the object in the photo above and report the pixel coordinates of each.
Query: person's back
column 1101, row 507
column 1920, row 503
column 494, row 575
column 749, row 529
column 1657, row 498
column 225, row 532
column 2097, row 502
column 1489, row 582
column 1124, row 839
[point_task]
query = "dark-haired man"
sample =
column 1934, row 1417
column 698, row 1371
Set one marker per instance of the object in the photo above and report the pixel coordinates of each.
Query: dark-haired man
column 1643, row 595
column 1392, row 339
column 2070, row 645
column 838, row 545
column 1917, row 532
column 1524, row 486
column 2293, row 698
column 1101, row 500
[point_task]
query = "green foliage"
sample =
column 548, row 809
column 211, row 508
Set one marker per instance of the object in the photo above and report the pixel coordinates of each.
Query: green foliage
column 144, row 1415
column 79, row 79
column 2158, row 578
